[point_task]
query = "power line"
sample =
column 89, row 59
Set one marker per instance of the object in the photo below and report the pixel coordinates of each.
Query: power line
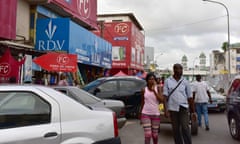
column 188, row 24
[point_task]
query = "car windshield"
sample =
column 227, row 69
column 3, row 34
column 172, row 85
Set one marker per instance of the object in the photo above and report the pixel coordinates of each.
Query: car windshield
column 84, row 97
column 93, row 84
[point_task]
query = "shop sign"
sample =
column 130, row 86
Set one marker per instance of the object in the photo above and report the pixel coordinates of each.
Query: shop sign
column 52, row 34
column 9, row 67
column 59, row 62
column 61, row 34
column 85, row 10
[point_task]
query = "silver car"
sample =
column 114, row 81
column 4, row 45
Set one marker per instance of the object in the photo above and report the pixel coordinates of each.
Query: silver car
column 94, row 102
column 39, row 114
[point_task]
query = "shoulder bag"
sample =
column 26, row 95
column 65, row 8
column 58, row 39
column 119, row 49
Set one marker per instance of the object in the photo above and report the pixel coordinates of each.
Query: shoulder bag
column 174, row 89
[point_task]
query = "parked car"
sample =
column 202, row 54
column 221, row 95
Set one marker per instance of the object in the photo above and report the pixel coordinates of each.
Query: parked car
column 124, row 88
column 90, row 100
column 233, row 108
column 218, row 101
column 38, row 114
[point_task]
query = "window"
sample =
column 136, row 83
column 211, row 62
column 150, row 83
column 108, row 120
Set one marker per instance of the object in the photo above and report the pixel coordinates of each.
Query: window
column 127, row 85
column 22, row 109
column 108, row 86
column 234, row 90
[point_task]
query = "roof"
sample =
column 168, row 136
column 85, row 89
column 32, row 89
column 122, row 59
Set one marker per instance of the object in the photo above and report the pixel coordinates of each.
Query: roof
column 130, row 15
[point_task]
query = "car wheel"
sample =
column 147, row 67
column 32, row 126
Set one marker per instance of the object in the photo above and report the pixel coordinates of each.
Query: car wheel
column 233, row 127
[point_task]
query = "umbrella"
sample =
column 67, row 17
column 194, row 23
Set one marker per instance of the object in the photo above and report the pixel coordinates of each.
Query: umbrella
column 120, row 73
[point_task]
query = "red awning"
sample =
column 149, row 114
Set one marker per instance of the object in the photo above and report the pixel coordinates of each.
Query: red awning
column 59, row 62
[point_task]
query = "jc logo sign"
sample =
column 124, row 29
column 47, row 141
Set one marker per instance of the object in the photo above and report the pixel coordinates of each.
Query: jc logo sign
column 63, row 59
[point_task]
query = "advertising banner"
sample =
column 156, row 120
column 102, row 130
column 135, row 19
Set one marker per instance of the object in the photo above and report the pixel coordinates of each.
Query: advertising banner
column 84, row 10
column 9, row 67
column 119, row 34
column 52, row 34
column 58, row 62
column 8, row 14
column 61, row 34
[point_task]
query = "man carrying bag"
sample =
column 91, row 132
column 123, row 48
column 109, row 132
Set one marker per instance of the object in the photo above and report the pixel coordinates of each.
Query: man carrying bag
column 177, row 103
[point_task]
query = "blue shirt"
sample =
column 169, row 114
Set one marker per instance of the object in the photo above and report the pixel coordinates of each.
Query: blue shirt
column 180, row 96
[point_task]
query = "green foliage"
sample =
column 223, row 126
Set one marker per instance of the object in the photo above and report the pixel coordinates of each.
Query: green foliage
column 225, row 46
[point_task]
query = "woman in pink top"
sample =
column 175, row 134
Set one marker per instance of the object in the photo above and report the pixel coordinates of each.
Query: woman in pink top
column 150, row 115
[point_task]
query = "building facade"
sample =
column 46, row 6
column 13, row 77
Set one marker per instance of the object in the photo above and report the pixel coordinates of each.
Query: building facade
column 126, row 35
column 63, row 26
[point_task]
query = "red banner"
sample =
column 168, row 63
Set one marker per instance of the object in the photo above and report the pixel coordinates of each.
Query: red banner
column 8, row 13
column 9, row 67
column 59, row 62
column 84, row 10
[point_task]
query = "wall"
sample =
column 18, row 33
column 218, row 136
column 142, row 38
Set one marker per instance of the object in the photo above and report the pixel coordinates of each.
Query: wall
column 23, row 19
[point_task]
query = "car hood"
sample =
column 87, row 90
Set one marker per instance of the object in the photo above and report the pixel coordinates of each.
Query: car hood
column 217, row 96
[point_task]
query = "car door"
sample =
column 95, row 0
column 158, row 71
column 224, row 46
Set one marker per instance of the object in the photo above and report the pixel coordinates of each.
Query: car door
column 129, row 92
column 233, row 98
column 27, row 118
column 108, row 90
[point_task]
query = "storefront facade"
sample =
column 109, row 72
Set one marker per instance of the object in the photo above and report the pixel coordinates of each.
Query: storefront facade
column 125, row 34
column 18, row 31
column 63, row 35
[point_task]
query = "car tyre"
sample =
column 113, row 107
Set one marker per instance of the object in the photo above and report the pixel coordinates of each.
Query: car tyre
column 234, row 128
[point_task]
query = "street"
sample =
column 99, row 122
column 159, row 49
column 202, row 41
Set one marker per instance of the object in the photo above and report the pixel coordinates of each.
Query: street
column 132, row 132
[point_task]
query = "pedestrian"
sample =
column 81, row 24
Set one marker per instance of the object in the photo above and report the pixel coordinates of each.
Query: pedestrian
column 201, row 96
column 150, row 115
column 63, row 80
column 177, row 103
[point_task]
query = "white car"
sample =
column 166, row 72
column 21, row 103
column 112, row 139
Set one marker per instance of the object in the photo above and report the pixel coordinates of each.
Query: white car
column 33, row 114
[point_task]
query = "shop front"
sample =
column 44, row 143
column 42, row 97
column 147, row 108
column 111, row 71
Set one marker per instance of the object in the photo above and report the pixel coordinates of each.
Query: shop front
column 127, row 46
column 94, row 54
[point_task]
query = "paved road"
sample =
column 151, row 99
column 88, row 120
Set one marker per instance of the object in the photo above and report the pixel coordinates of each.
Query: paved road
column 132, row 132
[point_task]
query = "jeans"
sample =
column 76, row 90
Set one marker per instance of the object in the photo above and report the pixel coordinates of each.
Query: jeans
column 180, row 126
column 201, row 108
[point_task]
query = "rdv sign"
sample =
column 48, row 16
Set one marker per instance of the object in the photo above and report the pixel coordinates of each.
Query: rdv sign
column 51, row 44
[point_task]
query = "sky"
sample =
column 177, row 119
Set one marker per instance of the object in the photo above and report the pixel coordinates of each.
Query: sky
column 181, row 27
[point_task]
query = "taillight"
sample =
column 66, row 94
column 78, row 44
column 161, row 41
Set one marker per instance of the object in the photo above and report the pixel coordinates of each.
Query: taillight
column 115, row 124
column 123, row 112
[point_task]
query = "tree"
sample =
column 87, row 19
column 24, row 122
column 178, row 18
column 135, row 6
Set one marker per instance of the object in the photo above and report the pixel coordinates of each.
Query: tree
column 225, row 46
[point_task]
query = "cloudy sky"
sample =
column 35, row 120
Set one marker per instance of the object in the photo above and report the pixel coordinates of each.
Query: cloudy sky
column 180, row 27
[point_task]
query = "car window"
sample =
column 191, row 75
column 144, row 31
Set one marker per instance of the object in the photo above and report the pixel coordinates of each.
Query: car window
column 108, row 86
column 22, row 109
column 235, row 88
column 128, row 85
column 92, row 84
